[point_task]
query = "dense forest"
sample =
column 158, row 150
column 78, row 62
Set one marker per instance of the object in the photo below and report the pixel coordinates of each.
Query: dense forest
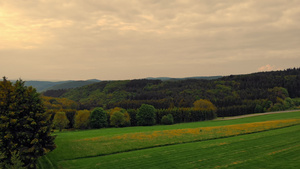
column 232, row 95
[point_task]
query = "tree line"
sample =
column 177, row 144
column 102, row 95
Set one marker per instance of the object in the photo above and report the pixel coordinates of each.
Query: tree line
column 119, row 117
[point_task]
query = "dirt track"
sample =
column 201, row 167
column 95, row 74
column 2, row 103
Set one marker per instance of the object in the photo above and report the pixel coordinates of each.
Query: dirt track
column 256, row 114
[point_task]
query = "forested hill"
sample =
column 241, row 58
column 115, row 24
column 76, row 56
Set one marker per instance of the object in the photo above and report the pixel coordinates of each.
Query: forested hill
column 232, row 95
column 49, row 85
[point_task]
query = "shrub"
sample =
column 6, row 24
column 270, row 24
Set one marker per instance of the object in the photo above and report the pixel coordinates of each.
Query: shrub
column 146, row 115
column 167, row 119
column 98, row 118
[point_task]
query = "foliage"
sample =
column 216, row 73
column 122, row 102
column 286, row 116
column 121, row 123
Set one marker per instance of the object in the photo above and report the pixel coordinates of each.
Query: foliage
column 98, row 118
column 60, row 120
column 167, row 119
column 204, row 105
column 24, row 124
column 232, row 95
column 117, row 119
column 16, row 162
column 182, row 115
column 146, row 115
column 70, row 113
column 82, row 119
column 132, row 114
column 59, row 103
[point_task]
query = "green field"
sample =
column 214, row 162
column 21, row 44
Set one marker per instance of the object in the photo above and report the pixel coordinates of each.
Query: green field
column 175, row 146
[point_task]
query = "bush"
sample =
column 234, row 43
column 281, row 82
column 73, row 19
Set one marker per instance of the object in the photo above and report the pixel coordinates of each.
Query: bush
column 167, row 119
column 98, row 118
column 146, row 115
column 82, row 119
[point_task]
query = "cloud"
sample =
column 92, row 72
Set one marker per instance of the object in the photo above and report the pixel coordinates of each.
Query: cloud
column 268, row 68
column 164, row 35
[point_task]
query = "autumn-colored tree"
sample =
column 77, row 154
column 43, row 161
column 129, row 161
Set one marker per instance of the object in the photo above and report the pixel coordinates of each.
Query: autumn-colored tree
column 24, row 125
column 204, row 105
column 117, row 119
column 82, row 119
column 60, row 120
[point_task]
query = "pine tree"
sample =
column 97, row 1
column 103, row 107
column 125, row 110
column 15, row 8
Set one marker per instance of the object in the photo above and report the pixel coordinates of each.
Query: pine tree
column 24, row 125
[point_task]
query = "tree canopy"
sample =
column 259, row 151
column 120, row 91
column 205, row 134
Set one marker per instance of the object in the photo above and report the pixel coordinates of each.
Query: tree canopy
column 146, row 115
column 98, row 118
column 24, row 124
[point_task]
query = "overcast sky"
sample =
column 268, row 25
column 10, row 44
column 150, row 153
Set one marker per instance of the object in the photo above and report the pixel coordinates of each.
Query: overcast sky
column 128, row 39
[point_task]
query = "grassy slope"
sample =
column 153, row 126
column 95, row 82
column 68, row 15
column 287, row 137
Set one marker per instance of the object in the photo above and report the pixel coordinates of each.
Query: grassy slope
column 268, row 149
column 64, row 140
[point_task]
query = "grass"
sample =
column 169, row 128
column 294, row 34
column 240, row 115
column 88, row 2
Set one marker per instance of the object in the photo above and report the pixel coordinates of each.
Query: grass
column 93, row 148
column 268, row 149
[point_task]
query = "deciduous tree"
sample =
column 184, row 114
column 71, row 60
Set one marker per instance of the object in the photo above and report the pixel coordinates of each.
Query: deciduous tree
column 60, row 120
column 82, row 119
column 146, row 115
column 98, row 118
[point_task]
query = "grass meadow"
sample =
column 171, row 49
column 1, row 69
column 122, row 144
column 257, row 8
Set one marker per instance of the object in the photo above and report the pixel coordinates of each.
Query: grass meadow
column 268, row 141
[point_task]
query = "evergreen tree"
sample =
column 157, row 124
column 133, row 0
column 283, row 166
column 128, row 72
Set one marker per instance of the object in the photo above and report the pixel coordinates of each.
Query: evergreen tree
column 24, row 125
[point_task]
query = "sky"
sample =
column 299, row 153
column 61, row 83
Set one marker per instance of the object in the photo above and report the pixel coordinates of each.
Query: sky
column 132, row 39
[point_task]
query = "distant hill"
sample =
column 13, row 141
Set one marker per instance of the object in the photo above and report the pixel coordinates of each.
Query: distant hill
column 49, row 85
column 73, row 84
column 184, row 78
column 43, row 85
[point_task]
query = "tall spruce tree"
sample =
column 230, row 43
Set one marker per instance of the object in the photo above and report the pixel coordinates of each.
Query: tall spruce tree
column 24, row 125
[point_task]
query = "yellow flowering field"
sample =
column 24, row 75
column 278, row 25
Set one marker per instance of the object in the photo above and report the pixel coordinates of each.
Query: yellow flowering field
column 132, row 141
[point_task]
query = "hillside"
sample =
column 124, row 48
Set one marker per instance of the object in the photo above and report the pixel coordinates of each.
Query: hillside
column 233, row 95
column 49, row 85
column 185, row 78
column 73, row 84
column 42, row 85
